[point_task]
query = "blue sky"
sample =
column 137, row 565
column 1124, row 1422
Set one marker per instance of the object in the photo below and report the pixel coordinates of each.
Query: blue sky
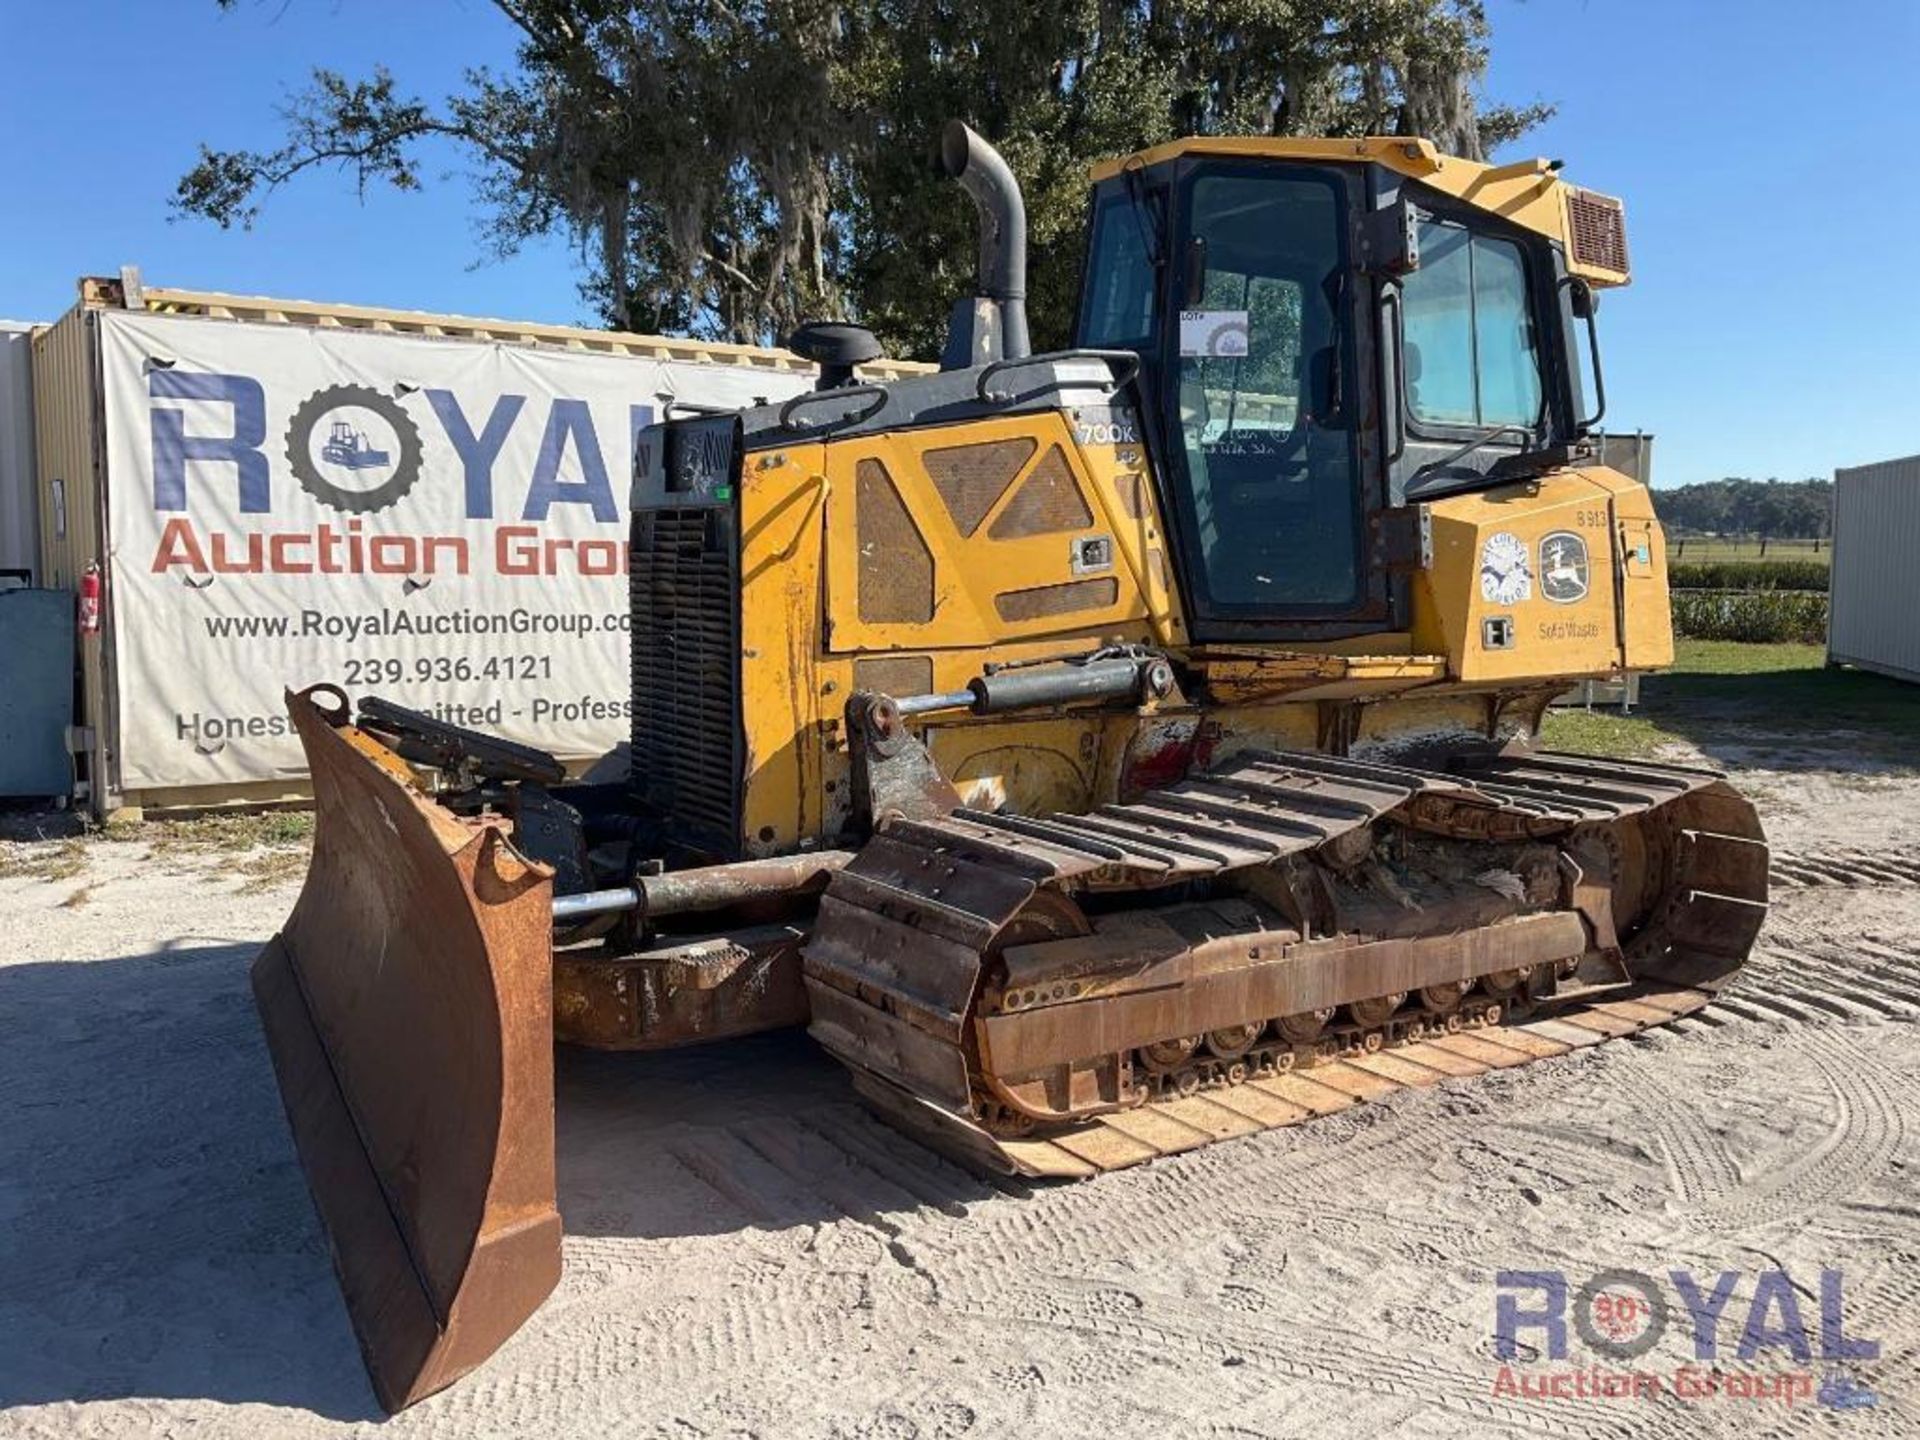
column 1772, row 329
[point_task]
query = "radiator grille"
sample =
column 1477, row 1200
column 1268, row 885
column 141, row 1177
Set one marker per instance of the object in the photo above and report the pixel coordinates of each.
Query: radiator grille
column 686, row 652
column 1599, row 226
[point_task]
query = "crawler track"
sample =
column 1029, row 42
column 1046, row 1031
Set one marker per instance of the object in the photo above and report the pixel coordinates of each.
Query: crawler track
column 1279, row 939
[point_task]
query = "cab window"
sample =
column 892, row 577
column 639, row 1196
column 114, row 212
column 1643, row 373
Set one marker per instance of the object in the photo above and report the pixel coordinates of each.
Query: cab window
column 1471, row 356
column 1117, row 310
column 1269, row 489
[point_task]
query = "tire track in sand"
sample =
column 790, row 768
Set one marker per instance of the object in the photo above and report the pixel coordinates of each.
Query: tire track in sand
column 1867, row 1129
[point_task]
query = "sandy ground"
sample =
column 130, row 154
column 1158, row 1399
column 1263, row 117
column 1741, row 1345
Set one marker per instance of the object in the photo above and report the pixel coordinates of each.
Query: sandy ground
column 750, row 1254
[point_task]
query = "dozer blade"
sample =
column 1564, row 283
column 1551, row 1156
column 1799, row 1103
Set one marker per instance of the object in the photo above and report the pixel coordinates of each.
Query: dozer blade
column 408, row 1008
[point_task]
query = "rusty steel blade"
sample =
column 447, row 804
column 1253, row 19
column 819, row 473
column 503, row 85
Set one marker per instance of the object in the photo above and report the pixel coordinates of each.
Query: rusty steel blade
column 408, row 1008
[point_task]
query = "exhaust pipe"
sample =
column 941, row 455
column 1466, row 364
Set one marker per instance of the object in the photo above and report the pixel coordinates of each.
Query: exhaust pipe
column 965, row 157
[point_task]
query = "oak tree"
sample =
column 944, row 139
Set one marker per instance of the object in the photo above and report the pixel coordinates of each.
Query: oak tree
column 731, row 167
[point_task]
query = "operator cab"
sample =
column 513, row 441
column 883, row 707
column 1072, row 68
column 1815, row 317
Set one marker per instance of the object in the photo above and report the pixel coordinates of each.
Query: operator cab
column 1326, row 340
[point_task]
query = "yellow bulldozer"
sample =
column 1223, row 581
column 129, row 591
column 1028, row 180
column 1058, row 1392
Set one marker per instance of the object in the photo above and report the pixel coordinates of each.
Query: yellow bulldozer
column 1101, row 752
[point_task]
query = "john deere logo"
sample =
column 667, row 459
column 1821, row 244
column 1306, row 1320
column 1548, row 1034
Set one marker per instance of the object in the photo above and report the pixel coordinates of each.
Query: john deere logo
column 353, row 448
column 1563, row 567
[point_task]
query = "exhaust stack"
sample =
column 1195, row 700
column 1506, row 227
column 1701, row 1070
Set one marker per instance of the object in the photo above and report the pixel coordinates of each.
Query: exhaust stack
column 993, row 324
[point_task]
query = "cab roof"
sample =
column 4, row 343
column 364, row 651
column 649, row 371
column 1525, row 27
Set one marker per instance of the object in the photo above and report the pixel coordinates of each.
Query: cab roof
column 1528, row 193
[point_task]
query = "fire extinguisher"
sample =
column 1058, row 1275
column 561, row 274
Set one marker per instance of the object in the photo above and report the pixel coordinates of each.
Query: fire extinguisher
column 90, row 599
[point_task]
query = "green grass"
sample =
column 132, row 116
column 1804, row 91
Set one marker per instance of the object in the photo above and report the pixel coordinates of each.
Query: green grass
column 1759, row 698
column 1790, row 689
column 1603, row 732
column 1730, row 657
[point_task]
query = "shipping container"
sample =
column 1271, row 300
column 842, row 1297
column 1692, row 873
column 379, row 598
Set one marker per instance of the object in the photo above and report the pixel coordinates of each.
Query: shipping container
column 129, row 383
column 1629, row 454
column 1876, row 535
column 19, row 518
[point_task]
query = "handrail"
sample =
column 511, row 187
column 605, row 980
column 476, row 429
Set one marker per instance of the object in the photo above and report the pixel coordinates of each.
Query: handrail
column 808, row 397
column 1127, row 358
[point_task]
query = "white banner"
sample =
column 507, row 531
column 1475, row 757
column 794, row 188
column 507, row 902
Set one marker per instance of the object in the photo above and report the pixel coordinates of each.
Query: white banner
column 440, row 522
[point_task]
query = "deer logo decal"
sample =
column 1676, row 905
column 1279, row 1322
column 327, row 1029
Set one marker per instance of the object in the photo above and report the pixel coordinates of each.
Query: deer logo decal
column 1563, row 567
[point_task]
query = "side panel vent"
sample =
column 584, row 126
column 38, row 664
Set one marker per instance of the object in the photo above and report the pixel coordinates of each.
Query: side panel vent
column 1068, row 599
column 896, row 567
column 972, row 478
column 1048, row 503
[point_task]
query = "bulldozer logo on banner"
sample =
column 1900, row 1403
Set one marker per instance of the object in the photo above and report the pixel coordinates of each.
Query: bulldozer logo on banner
column 353, row 448
column 1563, row 567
